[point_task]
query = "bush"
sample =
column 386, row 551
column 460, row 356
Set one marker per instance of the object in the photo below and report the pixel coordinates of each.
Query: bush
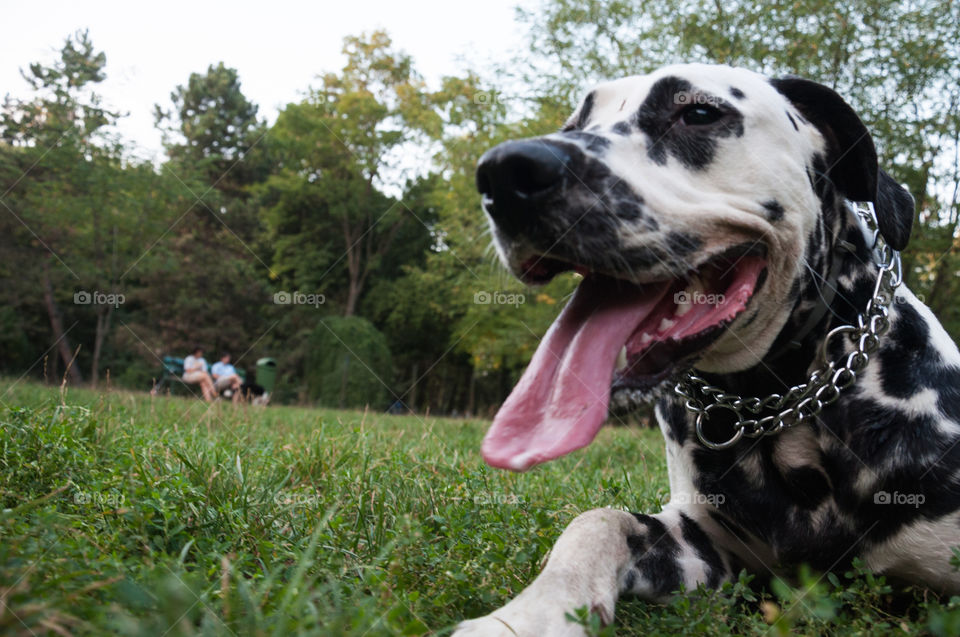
column 349, row 364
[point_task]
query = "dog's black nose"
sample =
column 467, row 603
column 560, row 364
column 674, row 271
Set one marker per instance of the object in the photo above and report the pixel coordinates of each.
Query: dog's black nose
column 515, row 177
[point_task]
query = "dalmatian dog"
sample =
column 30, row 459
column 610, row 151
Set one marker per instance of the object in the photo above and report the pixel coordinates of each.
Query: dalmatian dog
column 709, row 212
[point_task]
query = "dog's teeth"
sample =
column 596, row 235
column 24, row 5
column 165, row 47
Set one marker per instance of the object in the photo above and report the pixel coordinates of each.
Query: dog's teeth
column 622, row 359
column 685, row 299
column 645, row 338
column 666, row 324
column 696, row 285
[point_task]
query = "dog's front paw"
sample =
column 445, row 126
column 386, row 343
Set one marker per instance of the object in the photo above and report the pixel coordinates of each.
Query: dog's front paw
column 504, row 623
column 488, row 626
column 543, row 608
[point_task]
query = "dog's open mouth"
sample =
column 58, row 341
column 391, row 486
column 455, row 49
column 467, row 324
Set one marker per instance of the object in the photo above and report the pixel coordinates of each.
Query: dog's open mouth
column 613, row 334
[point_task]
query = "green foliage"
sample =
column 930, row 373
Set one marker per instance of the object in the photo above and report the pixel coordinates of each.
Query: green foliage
column 14, row 344
column 219, row 296
column 325, row 205
column 591, row 622
column 65, row 109
column 349, row 364
column 214, row 130
column 944, row 620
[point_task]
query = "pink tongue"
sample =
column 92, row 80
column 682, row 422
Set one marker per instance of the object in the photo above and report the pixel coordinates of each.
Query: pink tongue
column 561, row 401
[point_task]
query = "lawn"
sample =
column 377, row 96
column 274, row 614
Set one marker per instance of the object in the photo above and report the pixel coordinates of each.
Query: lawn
column 132, row 515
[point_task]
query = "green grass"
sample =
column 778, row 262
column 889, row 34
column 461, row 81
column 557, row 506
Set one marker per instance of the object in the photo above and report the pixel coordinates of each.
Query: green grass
column 133, row 515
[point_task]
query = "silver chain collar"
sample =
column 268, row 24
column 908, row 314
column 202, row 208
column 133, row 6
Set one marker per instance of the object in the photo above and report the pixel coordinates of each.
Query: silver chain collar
column 803, row 402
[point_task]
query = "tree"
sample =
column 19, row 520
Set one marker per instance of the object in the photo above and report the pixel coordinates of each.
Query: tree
column 337, row 150
column 58, row 213
column 214, row 130
column 348, row 364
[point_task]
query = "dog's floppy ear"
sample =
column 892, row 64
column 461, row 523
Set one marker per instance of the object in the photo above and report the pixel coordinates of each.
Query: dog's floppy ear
column 852, row 157
column 895, row 211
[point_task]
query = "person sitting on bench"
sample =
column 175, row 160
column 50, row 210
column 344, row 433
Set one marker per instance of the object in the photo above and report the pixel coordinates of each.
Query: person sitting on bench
column 225, row 377
column 195, row 373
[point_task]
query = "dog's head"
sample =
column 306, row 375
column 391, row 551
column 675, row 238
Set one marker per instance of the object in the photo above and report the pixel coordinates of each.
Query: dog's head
column 687, row 199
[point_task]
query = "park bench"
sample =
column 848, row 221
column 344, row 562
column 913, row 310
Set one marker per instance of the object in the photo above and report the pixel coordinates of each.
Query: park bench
column 171, row 376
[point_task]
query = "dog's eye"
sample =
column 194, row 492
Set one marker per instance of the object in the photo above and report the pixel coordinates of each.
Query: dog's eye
column 700, row 115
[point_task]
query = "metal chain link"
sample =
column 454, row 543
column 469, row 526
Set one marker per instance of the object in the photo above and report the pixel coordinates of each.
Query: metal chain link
column 824, row 385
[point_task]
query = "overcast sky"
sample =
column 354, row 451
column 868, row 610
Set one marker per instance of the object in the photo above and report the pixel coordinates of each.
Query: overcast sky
column 278, row 47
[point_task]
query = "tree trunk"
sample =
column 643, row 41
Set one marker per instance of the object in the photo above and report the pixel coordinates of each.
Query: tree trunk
column 362, row 253
column 104, row 314
column 353, row 295
column 353, row 269
column 56, row 324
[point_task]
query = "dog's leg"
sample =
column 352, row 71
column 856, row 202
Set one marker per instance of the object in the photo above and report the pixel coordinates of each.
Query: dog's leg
column 602, row 554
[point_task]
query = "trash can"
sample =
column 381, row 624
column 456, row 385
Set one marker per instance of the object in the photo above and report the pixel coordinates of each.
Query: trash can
column 267, row 374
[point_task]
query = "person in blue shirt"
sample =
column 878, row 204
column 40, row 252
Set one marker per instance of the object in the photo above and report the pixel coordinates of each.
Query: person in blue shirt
column 225, row 377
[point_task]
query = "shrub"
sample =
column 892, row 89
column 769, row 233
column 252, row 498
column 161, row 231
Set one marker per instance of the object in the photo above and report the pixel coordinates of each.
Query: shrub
column 348, row 364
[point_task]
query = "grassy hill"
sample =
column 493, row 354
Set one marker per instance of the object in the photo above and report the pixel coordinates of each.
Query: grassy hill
column 133, row 515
